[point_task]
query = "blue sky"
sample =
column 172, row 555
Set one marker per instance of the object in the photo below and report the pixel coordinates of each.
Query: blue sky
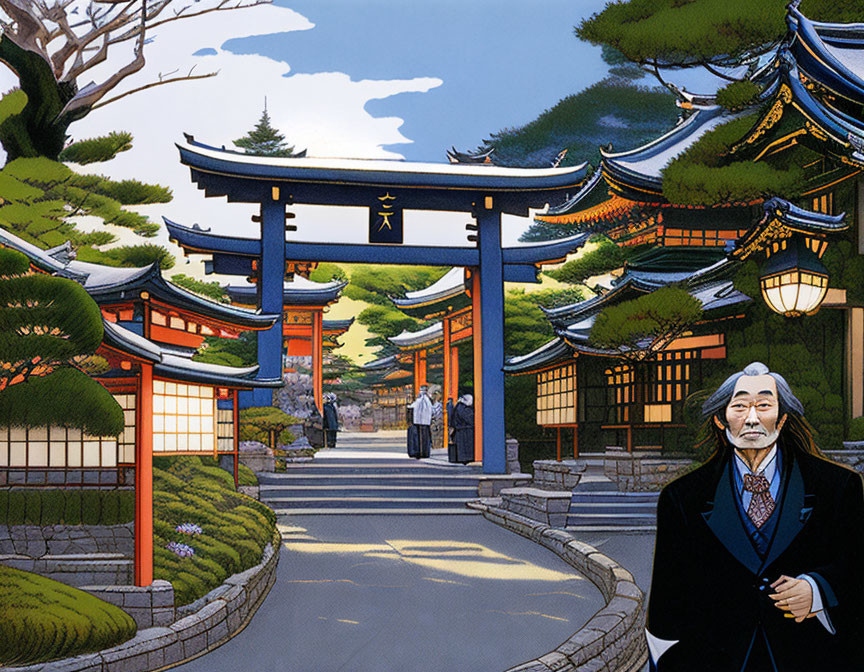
column 501, row 63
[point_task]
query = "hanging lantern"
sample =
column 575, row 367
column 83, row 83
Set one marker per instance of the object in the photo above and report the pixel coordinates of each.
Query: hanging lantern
column 793, row 280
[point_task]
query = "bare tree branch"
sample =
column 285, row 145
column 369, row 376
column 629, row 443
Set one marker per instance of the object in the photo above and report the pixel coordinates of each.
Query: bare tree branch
column 152, row 85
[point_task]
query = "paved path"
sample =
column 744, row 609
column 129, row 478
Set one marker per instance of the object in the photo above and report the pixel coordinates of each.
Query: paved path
column 403, row 593
column 382, row 593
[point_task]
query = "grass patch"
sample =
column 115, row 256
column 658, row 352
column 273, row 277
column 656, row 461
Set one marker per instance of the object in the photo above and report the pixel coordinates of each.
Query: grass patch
column 234, row 528
column 42, row 619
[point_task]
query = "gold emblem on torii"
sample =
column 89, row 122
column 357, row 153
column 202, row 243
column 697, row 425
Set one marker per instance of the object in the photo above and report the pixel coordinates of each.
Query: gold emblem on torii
column 388, row 211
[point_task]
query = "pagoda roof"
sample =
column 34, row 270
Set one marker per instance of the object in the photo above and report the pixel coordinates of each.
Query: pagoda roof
column 641, row 169
column 714, row 296
column 550, row 353
column 830, row 53
column 415, row 340
column 780, row 219
column 109, row 284
column 449, row 285
column 329, row 181
column 167, row 364
column 381, row 363
column 337, row 326
column 296, row 292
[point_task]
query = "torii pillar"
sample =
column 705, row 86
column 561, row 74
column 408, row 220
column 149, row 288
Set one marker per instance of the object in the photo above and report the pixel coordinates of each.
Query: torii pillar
column 420, row 370
column 270, row 279
column 488, row 336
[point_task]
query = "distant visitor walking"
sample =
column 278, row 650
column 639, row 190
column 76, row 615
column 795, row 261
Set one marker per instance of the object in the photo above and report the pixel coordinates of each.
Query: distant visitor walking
column 331, row 420
column 461, row 420
column 420, row 432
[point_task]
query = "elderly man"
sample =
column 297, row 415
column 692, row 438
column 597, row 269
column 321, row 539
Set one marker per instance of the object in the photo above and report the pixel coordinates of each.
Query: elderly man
column 759, row 557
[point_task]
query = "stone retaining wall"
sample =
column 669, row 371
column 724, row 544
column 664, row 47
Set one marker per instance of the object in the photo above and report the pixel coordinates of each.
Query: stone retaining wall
column 613, row 640
column 35, row 542
column 549, row 507
column 642, row 471
column 193, row 635
column 491, row 485
column 148, row 606
column 77, row 555
column 852, row 457
column 554, row 475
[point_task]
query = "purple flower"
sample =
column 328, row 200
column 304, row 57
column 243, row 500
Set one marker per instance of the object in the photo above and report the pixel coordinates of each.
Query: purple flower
column 180, row 550
column 189, row 528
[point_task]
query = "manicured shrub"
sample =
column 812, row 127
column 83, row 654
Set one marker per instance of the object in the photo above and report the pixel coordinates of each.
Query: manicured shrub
column 53, row 504
column 110, row 508
column 126, row 508
column 90, row 507
column 4, row 506
column 32, row 507
column 245, row 476
column 72, row 512
column 855, row 433
column 42, row 620
column 17, row 508
column 133, row 192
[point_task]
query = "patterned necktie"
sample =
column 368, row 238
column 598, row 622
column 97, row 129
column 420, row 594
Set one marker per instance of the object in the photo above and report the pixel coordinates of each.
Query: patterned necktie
column 761, row 503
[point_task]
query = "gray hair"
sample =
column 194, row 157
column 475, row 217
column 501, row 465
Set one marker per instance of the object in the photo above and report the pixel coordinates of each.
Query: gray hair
column 718, row 401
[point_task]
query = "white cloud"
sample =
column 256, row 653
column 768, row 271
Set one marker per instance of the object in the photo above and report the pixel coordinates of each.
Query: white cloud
column 323, row 112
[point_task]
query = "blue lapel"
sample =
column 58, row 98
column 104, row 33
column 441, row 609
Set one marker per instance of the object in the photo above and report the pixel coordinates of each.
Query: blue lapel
column 725, row 522
column 793, row 513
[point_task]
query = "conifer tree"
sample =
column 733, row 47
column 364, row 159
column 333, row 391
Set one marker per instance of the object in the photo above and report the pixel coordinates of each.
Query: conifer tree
column 264, row 140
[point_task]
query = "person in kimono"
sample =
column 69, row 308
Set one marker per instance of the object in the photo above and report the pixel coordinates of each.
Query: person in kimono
column 420, row 431
column 759, row 555
column 461, row 429
column 330, row 420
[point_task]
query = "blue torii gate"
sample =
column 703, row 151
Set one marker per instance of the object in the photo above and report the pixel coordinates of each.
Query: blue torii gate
column 387, row 188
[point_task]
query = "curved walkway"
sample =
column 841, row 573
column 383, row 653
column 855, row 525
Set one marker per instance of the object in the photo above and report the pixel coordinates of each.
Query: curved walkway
column 374, row 593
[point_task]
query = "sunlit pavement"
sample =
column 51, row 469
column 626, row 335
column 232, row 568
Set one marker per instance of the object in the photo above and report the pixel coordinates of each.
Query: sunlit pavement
column 425, row 593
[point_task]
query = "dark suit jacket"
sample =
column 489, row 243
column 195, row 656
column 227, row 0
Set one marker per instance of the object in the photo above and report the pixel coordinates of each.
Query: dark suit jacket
column 710, row 587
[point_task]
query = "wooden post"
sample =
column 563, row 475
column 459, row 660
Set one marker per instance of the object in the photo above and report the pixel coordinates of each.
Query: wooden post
column 445, row 389
column 558, row 443
column 476, row 342
column 236, row 412
column 454, row 372
column 144, row 479
column 318, row 359
column 575, row 441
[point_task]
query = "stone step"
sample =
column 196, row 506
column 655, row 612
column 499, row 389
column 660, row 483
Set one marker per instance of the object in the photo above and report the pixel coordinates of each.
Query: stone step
column 334, row 491
column 361, row 511
column 612, row 519
column 366, row 502
column 613, row 508
column 351, row 480
column 610, row 497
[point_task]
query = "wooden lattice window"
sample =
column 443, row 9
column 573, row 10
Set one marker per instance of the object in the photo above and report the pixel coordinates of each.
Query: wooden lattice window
column 556, row 396
column 619, row 392
column 184, row 418
column 225, row 429
column 126, row 441
column 49, row 447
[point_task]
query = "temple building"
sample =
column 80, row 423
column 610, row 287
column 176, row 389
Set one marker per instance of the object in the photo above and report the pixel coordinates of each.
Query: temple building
column 793, row 255
column 303, row 325
column 172, row 404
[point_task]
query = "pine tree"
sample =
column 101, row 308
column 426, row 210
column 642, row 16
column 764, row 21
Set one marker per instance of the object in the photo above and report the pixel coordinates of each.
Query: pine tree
column 264, row 140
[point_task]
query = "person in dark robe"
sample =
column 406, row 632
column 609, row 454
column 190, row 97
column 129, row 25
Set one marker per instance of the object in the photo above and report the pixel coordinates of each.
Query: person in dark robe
column 759, row 558
column 461, row 429
column 420, row 431
column 331, row 420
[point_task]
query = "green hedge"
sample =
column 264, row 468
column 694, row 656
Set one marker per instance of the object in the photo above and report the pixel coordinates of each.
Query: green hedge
column 235, row 528
column 55, row 506
column 42, row 620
